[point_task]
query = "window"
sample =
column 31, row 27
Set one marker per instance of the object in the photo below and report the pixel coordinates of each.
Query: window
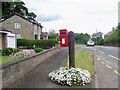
column 18, row 36
column 17, row 25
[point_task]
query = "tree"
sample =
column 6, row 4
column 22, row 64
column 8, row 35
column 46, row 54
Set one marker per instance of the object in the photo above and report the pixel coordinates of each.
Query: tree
column 81, row 38
column 96, row 37
column 31, row 15
column 77, row 37
column 113, row 39
column 118, row 26
column 15, row 6
column 101, row 41
column 53, row 35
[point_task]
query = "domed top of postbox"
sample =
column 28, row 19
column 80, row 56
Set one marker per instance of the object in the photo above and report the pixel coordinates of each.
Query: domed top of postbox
column 63, row 31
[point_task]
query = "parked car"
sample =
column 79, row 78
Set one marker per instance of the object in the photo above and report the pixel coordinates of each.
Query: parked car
column 90, row 43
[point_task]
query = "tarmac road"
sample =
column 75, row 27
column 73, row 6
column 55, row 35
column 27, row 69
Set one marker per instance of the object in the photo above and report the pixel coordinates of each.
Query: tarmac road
column 107, row 68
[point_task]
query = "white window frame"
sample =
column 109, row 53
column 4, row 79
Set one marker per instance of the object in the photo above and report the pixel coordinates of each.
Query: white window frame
column 18, row 36
column 17, row 25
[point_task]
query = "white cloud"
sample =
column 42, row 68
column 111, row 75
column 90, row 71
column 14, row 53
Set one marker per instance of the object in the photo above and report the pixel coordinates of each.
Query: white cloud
column 77, row 15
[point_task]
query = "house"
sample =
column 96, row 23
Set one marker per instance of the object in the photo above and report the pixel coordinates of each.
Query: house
column 22, row 26
column 7, row 39
column 44, row 35
column 109, row 33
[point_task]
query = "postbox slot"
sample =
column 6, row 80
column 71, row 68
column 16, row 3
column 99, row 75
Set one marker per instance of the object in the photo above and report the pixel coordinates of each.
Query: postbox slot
column 62, row 32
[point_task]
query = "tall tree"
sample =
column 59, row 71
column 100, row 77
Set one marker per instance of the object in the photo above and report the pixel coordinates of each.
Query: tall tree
column 96, row 37
column 16, row 6
column 81, row 38
column 53, row 35
column 31, row 15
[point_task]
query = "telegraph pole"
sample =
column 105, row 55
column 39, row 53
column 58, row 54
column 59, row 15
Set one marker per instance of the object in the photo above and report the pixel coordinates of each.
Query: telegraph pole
column 96, row 36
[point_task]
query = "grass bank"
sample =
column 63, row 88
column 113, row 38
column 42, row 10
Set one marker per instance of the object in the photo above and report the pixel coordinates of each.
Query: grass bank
column 77, row 46
column 84, row 60
column 5, row 59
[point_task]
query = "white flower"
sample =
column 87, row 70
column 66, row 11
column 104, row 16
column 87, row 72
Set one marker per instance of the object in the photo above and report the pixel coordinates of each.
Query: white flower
column 73, row 76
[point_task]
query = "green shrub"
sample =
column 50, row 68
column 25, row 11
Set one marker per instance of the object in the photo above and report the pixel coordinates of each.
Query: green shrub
column 37, row 50
column 24, row 43
column 113, row 39
column 36, row 36
column 101, row 42
column 8, row 51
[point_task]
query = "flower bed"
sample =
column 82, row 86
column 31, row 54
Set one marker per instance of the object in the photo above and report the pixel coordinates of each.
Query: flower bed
column 22, row 53
column 73, row 76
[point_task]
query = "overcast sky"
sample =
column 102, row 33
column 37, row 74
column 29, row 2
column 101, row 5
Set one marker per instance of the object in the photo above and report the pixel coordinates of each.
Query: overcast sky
column 80, row 16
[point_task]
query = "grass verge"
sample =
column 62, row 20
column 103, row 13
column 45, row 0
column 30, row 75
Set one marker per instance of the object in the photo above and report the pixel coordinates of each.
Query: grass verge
column 5, row 59
column 84, row 60
column 77, row 46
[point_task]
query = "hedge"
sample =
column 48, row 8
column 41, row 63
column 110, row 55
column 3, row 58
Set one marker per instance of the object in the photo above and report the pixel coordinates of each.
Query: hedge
column 25, row 43
column 113, row 39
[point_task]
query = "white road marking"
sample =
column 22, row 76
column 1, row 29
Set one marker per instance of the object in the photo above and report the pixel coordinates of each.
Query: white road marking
column 94, row 49
column 114, row 57
column 102, row 62
column 108, row 66
column 98, row 59
column 101, row 52
column 116, row 72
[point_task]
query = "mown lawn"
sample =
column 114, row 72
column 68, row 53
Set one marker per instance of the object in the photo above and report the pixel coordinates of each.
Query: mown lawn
column 5, row 59
column 84, row 60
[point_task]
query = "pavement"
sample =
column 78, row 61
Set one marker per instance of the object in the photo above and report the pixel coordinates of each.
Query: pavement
column 38, row 78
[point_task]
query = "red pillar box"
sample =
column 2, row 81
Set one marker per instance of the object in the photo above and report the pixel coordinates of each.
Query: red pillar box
column 63, row 38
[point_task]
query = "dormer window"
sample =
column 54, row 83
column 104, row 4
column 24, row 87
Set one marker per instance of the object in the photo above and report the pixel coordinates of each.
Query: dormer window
column 17, row 25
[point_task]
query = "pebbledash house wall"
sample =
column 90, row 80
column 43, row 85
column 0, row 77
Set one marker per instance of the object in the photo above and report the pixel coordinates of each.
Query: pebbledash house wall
column 26, row 31
column 17, row 69
column 37, row 30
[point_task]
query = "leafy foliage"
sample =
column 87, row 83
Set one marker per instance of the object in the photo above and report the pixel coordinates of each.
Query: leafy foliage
column 97, row 37
column 113, row 39
column 81, row 38
column 25, row 43
column 8, row 51
column 37, row 50
column 16, row 6
column 36, row 36
column 101, row 41
column 53, row 35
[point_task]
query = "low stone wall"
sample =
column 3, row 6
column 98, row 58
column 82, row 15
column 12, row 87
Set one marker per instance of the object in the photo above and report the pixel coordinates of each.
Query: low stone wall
column 17, row 69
